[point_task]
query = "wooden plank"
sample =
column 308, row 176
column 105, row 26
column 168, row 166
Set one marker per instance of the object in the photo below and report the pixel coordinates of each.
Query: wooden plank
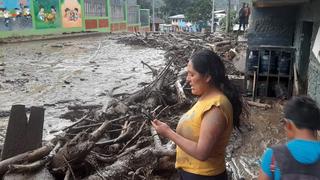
column 35, row 128
column 16, row 132
column 23, row 135
column 277, row 3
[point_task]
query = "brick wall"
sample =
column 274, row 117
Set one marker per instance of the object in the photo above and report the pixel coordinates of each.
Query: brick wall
column 133, row 28
column 118, row 27
column 103, row 23
column 144, row 29
column 91, row 24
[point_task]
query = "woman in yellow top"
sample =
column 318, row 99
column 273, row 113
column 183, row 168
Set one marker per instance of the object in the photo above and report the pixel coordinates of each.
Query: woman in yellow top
column 203, row 132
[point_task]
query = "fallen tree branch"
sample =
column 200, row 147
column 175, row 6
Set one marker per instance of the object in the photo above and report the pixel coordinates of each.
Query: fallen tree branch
column 181, row 95
column 121, row 137
column 78, row 148
column 17, row 168
column 29, row 156
column 156, row 138
column 154, row 71
column 76, row 123
column 136, row 135
column 261, row 105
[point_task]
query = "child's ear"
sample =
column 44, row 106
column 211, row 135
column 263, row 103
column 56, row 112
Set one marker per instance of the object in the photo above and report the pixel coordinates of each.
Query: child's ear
column 290, row 129
column 289, row 125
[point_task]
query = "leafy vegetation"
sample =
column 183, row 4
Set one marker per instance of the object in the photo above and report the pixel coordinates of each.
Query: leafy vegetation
column 195, row 10
column 199, row 11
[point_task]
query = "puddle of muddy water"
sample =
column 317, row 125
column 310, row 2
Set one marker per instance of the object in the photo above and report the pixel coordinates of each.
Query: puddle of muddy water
column 58, row 73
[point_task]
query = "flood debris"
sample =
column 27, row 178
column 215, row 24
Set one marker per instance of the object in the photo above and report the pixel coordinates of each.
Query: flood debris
column 182, row 45
column 257, row 104
column 116, row 140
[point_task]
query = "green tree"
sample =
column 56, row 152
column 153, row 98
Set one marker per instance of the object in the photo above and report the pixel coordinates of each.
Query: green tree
column 200, row 10
column 145, row 4
column 173, row 7
column 233, row 20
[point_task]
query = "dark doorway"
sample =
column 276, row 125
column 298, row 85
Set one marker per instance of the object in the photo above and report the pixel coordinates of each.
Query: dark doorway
column 304, row 57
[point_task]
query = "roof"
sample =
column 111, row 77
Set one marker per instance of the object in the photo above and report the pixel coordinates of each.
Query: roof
column 178, row 16
column 275, row 3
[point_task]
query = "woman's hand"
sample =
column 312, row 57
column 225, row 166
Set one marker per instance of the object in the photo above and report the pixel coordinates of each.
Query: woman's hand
column 162, row 128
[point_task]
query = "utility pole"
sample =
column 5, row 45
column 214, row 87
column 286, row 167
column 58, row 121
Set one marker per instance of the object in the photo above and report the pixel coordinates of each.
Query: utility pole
column 238, row 5
column 228, row 17
column 212, row 19
column 153, row 18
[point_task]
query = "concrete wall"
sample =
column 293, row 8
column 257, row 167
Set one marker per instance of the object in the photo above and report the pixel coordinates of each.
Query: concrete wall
column 309, row 12
column 272, row 26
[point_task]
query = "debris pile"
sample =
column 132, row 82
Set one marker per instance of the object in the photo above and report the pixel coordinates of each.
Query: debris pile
column 117, row 141
column 182, row 45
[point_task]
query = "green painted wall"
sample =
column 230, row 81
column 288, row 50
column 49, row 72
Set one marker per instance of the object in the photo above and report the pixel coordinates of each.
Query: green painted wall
column 43, row 25
column 52, row 17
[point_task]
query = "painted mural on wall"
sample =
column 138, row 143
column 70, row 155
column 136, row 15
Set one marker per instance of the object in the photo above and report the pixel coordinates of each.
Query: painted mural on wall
column 15, row 15
column 47, row 14
column 71, row 13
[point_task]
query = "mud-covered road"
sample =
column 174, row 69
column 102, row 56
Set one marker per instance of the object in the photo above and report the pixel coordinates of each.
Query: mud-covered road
column 73, row 71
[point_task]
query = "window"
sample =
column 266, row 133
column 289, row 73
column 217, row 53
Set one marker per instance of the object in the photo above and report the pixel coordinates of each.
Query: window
column 95, row 8
column 117, row 10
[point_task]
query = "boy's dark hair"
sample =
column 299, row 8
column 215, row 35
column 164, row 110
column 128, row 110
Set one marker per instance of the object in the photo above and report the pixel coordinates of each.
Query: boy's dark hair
column 303, row 112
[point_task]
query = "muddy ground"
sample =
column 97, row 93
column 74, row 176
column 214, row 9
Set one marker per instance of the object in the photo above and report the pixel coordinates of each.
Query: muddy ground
column 88, row 70
column 73, row 71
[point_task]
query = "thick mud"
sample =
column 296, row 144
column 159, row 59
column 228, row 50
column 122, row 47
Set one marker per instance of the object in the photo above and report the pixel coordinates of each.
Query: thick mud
column 73, row 71
column 265, row 129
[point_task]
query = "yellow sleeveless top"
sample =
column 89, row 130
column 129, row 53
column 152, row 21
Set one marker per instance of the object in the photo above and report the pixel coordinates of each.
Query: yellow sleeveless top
column 189, row 127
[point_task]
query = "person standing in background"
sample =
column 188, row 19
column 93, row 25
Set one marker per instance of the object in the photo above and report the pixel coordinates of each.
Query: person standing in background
column 242, row 17
column 247, row 15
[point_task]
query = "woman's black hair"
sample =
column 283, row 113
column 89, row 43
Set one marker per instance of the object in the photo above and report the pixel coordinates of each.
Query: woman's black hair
column 206, row 62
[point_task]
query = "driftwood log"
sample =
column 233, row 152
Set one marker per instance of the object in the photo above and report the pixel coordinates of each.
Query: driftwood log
column 257, row 104
column 30, row 156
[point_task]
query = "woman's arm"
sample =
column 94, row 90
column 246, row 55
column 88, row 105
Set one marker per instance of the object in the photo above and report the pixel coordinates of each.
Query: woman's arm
column 212, row 126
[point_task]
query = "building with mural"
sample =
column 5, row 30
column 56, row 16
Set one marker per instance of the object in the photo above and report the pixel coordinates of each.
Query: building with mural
column 38, row 17
column 15, row 15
